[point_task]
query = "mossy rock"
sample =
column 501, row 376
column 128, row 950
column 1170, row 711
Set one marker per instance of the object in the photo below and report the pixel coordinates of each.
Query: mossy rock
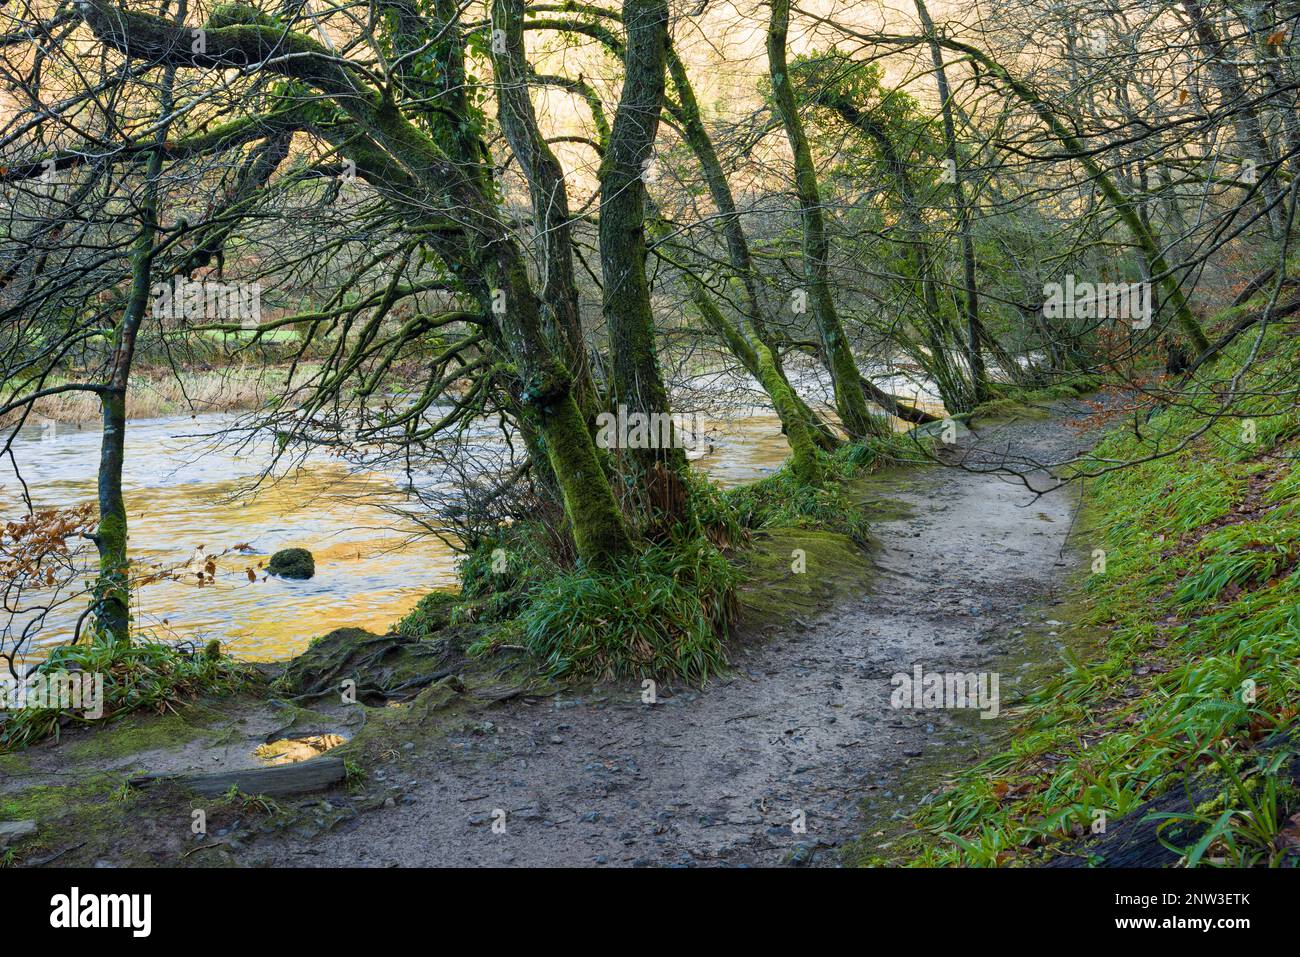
column 292, row 563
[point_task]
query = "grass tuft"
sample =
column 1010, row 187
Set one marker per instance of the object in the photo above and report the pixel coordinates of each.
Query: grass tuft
column 664, row 613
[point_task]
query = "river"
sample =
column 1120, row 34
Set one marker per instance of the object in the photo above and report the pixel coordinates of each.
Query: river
column 185, row 490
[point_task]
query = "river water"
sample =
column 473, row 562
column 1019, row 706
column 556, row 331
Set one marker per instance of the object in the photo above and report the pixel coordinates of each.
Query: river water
column 184, row 489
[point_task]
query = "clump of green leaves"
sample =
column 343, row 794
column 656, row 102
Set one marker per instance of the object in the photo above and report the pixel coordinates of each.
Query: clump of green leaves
column 431, row 614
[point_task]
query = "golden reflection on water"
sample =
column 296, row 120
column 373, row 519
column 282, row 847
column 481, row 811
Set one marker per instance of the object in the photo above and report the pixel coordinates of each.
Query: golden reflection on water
column 371, row 569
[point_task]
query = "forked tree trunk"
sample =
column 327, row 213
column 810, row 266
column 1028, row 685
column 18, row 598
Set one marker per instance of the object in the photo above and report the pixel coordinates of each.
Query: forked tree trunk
column 552, row 222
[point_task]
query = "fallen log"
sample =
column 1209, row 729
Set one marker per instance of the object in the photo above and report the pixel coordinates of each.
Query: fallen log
column 315, row 774
column 895, row 406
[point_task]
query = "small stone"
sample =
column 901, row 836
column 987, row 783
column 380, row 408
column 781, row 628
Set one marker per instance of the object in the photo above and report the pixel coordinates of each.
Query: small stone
column 15, row 831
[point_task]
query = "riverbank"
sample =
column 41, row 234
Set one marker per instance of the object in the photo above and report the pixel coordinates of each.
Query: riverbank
column 159, row 393
column 765, row 764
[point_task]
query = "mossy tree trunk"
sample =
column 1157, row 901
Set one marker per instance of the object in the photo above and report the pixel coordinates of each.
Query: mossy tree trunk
column 808, row 431
column 552, row 222
column 850, row 393
column 626, row 305
column 112, row 589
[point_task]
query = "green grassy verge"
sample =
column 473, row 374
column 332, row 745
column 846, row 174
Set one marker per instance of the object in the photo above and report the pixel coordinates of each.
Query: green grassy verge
column 145, row 675
column 1195, row 594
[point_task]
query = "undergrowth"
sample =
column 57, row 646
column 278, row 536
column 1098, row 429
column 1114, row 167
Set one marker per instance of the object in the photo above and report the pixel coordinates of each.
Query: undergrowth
column 780, row 500
column 142, row 675
column 663, row 613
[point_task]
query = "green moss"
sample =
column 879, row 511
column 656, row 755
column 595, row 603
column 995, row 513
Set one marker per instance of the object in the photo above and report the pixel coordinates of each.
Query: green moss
column 430, row 615
column 1016, row 402
column 296, row 563
column 141, row 676
column 12, row 765
column 803, row 453
column 238, row 14
column 135, row 734
column 783, row 500
column 43, row 803
column 599, row 533
column 793, row 572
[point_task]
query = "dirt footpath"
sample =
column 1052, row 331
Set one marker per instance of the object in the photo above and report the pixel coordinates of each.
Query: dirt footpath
column 771, row 764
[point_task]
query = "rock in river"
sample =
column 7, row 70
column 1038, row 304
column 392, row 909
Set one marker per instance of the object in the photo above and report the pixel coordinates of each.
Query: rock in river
column 292, row 563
